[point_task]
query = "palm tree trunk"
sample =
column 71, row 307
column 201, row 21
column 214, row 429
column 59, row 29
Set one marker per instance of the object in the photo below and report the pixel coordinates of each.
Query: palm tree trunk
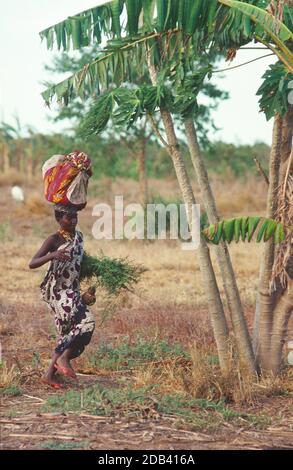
column 282, row 314
column 141, row 169
column 265, row 300
column 286, row 144
column 284, row 304
column 243, row 341
column 216, row 310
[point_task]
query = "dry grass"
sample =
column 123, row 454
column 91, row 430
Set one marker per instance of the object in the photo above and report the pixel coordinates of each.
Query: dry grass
column 236, row 198
column 201, row 377
column 233, row 197
column 12, row 177
column 170, row 301
column 35, row 205
column 9, row 376
column 15, row 177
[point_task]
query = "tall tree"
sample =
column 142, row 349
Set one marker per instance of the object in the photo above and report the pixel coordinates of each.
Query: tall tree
column 170, row 36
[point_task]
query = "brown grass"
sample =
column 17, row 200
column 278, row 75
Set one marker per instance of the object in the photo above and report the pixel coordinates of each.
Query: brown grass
column 36, row 205
column 170, row 301
column 12, row 177
column 9, row 376
column 200, row 377
column 236, row 198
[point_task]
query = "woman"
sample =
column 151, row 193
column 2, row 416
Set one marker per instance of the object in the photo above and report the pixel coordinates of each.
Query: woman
column 61, row 290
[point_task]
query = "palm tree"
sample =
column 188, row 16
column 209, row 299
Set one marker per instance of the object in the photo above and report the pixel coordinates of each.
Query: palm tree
column 170, row 34
column 172, row 146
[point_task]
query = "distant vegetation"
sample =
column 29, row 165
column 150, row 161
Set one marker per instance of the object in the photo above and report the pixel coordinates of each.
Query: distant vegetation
column 112, row 157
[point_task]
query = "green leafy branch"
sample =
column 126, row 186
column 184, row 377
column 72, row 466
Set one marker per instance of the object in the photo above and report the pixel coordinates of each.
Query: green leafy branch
column 112, row 274
column 244, row 228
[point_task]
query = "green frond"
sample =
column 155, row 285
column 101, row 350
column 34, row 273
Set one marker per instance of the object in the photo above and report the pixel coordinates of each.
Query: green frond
column 124, row 106
column 114, row 65
column 267, row 24
column 187, row 89
column 133, row 8
column 228, row 230
column 132, row 17
column 163, row 12
column 272, row 25
column 237, row 230
column 274, row 90
column 100, row 113
column 116, row 7
column 279, row 234
column 251, row 226
column 76, row 31
column 176, row 31
column 245, row 227
column 262, row 230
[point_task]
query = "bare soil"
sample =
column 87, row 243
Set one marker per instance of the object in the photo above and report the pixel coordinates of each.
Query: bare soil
column 30, row 428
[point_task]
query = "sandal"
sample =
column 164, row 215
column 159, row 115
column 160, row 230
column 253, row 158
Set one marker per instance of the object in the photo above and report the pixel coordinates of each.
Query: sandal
column 57, row 386
column 65, row 371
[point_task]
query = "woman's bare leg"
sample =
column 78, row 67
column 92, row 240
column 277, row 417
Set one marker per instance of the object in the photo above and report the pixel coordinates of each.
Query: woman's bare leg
column 49, row 376
column 64, row 359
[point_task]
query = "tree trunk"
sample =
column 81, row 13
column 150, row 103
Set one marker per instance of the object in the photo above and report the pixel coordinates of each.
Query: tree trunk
column 286, row 144
column 141, row 169
column 29, row 166
column 265, row 300
column 6, row 162
column 216, row 310
column 243, row 341
column 284, row 303
column 282, row 314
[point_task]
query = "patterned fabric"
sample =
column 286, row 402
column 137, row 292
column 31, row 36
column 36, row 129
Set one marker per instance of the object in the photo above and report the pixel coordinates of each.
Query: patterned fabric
column 61, row 290
column 66, row 178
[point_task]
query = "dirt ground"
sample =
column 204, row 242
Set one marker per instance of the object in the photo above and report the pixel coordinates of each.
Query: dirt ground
column 170, row 302
column 30, row 428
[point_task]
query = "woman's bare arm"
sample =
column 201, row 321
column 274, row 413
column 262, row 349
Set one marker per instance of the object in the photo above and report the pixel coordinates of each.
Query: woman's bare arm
column 47, row 252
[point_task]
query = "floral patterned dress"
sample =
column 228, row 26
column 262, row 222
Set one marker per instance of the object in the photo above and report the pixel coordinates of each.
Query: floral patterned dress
column 61, row 290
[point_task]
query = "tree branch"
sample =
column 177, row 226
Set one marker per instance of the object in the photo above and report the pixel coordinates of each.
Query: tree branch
column 156, row 130
column 261, row 170
column 241, row 65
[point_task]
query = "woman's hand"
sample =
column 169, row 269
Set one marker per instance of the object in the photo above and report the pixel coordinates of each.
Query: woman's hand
column 89, row 297
column 61, row 255
column 48, row 252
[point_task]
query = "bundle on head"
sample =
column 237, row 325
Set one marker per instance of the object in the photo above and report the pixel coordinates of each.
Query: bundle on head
column 115, row 275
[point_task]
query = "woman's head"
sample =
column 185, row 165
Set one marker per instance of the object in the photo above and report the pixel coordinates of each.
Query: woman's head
column 67, row 219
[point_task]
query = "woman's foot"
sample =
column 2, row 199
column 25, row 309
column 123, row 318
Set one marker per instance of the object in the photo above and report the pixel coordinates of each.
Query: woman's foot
column 52, row 382
column 64, row 367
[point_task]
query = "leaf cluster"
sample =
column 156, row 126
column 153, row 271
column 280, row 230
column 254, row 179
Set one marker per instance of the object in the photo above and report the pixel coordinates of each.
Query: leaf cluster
column 275, row 89
column 112, row 274
column 243, row 228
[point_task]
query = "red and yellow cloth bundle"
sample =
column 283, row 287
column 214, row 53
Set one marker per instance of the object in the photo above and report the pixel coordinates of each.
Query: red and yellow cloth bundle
column 66, row 179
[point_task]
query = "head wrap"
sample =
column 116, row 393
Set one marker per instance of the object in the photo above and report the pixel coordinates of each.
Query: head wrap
column 66, row 179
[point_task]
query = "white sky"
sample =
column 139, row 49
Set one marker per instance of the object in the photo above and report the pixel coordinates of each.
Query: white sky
column 22, row 71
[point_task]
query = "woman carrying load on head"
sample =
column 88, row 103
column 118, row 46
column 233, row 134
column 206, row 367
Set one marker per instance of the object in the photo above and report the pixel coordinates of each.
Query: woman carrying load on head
column 61, row 290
